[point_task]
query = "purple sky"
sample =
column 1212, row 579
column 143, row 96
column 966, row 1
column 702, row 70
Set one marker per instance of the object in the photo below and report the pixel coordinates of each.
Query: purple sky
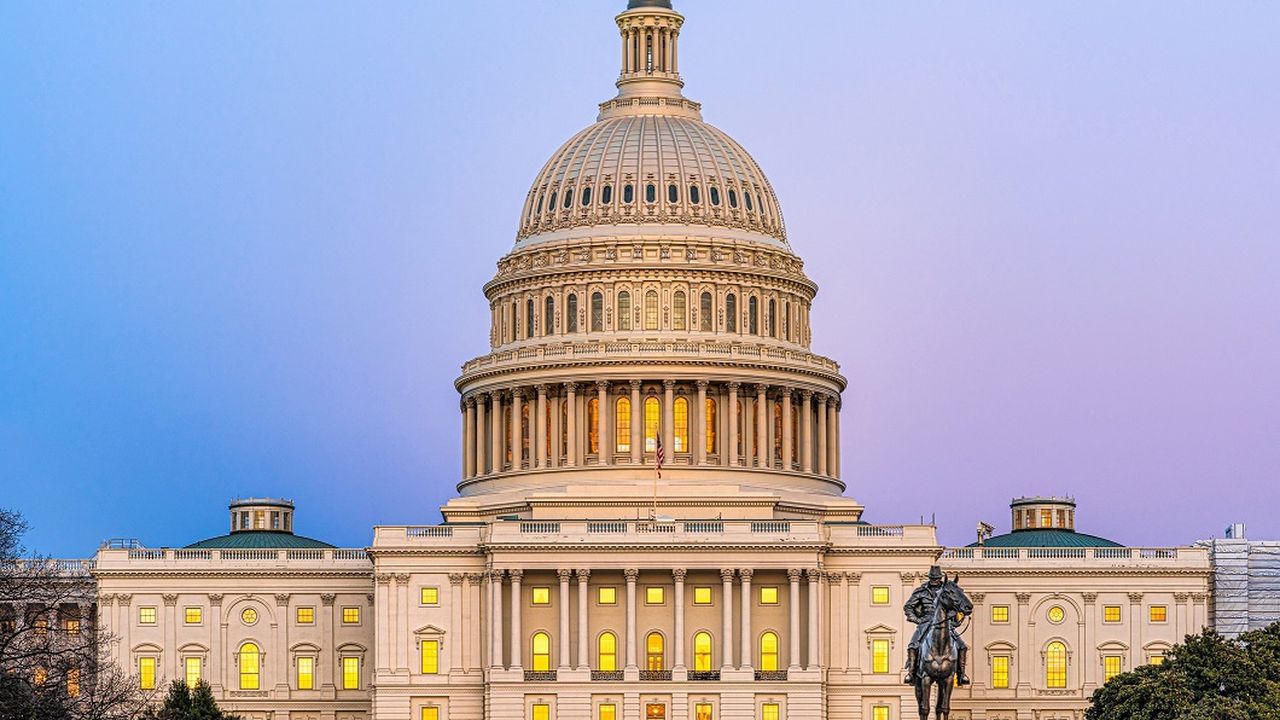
column 1047, row 237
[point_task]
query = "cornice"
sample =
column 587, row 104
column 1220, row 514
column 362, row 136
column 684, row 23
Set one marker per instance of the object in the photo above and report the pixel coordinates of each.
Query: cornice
column 1078, row 571
column 789, row 547
column 216, row 573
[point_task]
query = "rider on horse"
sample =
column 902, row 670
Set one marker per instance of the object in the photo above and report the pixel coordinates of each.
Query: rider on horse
column 919, row 610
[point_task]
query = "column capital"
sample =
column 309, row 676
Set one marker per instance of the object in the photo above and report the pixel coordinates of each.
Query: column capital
column 635, row 384
column 679, row 574
column 282, row 599
column 702, row 384
column 456, row 578
column 726, row 574
column 517, row 392
column 1199, row 596
column 761, row 388
column 402, row 578
column 327, row 599
column 977, row 598
column 814, row 574
column 571, row 387
column 1089, row 598
column 908, row 578
column 382, row 578
column 475, row 578
column 746, row 573
column 1135, row 598
column 541, row 388
column 496, row 575
column 469, row 402
column 733, row 386
column 583, row 573
column 668, row 384
column 495, row 395
column 1181, row 597
column 214, row 598
column 822, row 398
column 564, row 574
column 170, row 599
column 806, row 394
column 1022, row 598
column 631, row 574
column 794, row 574
column 516, row 574
column 602, row 385
column 853, row 577
column 785, row 391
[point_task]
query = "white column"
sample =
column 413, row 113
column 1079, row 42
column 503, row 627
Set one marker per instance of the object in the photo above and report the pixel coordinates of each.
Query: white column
column 793, row 632
column 786, row 429
column 632, row 574
column 1135, row 631
column 562, row 643
column 539, row 450
column 1025, row 658
column 637, row 424
column 481, row 439
column 822, row 434
column 668, row 420
column 763, row 449
column 806, row 431
column 382, row 621
column 455, row 621
column 495, row 619
column 401, row 643
column 853, row 656
column 517, row 429
column 678, row 640
column 833, row 444
column 815, row 580
column 584, row 657
column 327, row 634
column 517, row 642
column 726, row 580
column 571, row 420
column 748, row 644
column 730, row 444
column 468, row 437
column 699, row 438
column 606, row 450
column 495, row 434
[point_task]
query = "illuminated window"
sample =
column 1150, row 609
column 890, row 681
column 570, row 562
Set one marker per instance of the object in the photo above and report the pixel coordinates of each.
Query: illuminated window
column 680, row 415
column 306, row 673
column 879, row 656
column 1158, row 613
column 249, row 666
column 350, row 673
column 880, row 595
column 679, row 312
column 731, row 313
column 191, row 668
column 542, row 711
column 1157, row 659
column 430, row 657
column 607, row 596
column 147, row 673
column 769, row 652
column 653, row 651
column 655, row 596
column 1111, row 614
column 607, row 652
column 1000, row 671
column 624, row 310
column 350, row 616
column 702, row 651
column 41, row 625
column 1046, row 518
column 651, row 310
column 1111, row 667
column 593, row 426
column 710, row 429
column 777, row 431
column 880, row 712
column 607, row 711
column 249, row 616
column 1057, row 614
column 73, row 682
column 1055, row 658
column 999, row 613
column 622, row 424
column 193, row 615
column 541, row 595
column 651, row 424
column 702, row 711
column 430, row 596
column 306, row 616
column 768, row 595
column 702, row 596
column 706, row 315
column 146, row 616
column 541, row 645
column 431, row 712
column 770, row 711
column 40, row 676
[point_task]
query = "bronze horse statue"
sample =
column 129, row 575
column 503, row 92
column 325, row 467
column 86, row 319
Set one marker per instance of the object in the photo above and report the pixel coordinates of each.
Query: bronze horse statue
column 937, row 660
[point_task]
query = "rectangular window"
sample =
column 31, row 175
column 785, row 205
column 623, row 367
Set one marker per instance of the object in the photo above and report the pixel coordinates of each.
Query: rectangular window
column 1111, row 667
column 702, row 596
column 1159, row 613
column 1155, row 659
column 607, row 596
column 1111, row 614
column 1046, row 518
column 880, row 595
column 350, row 673
column 431, row 712
column 999, row 613
column 879, row 656
column 71, row 626
column 430, row 596
column 540, row 711
column 192, row 667
column 702, row 711
column 541, row 595
column 769, row 595
column 430, row 657
column 306, row 673
column 880, row 712
column 770, row 711
column 1000, row 671
column 350, row 616
column 607, row 711
column 147, row 673
column 306, row 616
column 73, row 682
column 654, row 596
column 193, row 615
column 146, row 616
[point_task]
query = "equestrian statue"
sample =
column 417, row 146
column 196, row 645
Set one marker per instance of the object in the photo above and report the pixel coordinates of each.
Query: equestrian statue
column 937, row 654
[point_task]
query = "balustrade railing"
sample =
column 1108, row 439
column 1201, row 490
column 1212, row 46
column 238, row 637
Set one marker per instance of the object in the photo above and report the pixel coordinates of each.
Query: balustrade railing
column 980, row 553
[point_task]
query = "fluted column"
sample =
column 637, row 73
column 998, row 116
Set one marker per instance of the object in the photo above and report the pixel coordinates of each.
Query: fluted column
column 762, row 427
column 668, row 420
column 678, row 640
column 584, row 657
column 468, row 437
column 517, row 641
column 833, row 444
column 517, row 429
column 455, row 617
column 786, row 428
column 815, row 580
column 699, row 438
column 793, row 633
column 822, row 435
column 495, row 619
column 1135, row 630
column 806, row 431
column 726, row 580
column 495, row 434
column 606, row 449
column 480, row 448
column 637, row 424
column 731, row 442
column 748, row 645
column 562, row 642
column 632, row 574
column 571, row 421
column 539, row 449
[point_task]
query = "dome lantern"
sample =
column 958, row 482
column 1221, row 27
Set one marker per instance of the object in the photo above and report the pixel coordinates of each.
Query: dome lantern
column 650, row 74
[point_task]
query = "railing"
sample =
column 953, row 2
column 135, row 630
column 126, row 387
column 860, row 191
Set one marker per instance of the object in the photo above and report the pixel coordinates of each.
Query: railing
column 655, row 675
column 770, row 526
column 771, row 675
column 665, row 531
column 539, row 528
column 606, row 527
column 539, row 675
column 609, row 675
column 146, row 554
column 307, row 554
column 566, row 352
column 350, row 554
column 1055, row 553
column 646, row 526
column 880, row 531
column 114, row 559
column 429, row 531
column 704, row 526
column 248, row 554
column 185, row 554
column 704, row 674
column 979, row 554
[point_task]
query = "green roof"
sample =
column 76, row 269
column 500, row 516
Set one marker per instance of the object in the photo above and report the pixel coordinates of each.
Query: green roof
column 1047, row 538
column 260, row 539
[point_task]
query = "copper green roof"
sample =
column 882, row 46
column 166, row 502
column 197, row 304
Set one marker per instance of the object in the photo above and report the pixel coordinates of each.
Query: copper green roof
column 249, row 539
column 1047, row 538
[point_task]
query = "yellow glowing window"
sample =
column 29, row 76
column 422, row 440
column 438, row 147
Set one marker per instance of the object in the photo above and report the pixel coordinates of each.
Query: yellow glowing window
column 540, row 711
column 1057, row 614
column 71, row 626
column 1055, row 672
column 306, row 673
column 1158, row 613
column 191, row 668
column 702, row 651
column 42, row 625
column 879, row 656
column 146, row 616
column 193, row 615
column 607, row 596
column 702, row 596
column 770, row 711
column 607, row 711
column 73, row 682
column 651, row 424
column 593, row 425
column 1111, row 667
column 39, row 676
column 541, row 595
column 249, row 667
column 1046, row 518
column 768, row 595
column 680, row 418
column 999, row 613
column 710, row 430
column 541, row 646
column 350, row 673
column 1155, row 659
column 430, row 657
column 607, row 652
column 431, row 712
column 769, row 652
column 306, row 616
column 622, row 424
column 350, row 616
column 1111, row 614
column 147, row 673
column 654, row 657
column 430, row 596
column 249, row 616
column 654, row 596
column 651, row 310
column 1000, row 671
column 880, row 595
column 702, row 711
column 880, row 712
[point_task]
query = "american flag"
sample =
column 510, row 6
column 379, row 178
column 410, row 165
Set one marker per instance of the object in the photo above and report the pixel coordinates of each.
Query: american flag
column 661, row 457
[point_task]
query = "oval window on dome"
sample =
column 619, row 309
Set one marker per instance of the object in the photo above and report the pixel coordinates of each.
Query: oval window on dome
column 650, row 193
column 694, row 196
column 551, row 201
column 714, row 193
column 586, row 196
column 568, row 198
column 538, row 207
column 747, row 197
column 673, row 193
column 628, row 194
column 606, row 194
column 733, row 198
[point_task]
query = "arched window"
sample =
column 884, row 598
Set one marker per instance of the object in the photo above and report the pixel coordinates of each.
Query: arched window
column 650, row 193
column 731, row 313
column 773, row 318
column 702, row 651
column 673, row 193
column 777, row 432
column 733, row 198
column 753, row 316
column 715, row 195
column 710, row 429
column 786, row 320
column 747, row 196
column 607, row 652
column 628, row 194
column 528, row 318
column 571, row 313
column 706, row 313
column 624, row 310
column 568, row 198
column 541, row 645
column 586, row 196
column 515, row 320
column 694, row 196
column 679, row 313
column 593, row 426
column 768, row 652
column 622, row 424
column 1055, row 665
column 651, row 424
column 680, row 418
column 651, row 310
column 653, row 652
column 597, row 312
column 250, row 667
column 551, row 201
column 606, row 195
column 548, row 315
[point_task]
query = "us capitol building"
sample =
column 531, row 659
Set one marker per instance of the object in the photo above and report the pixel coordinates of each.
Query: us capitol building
column 652, row 305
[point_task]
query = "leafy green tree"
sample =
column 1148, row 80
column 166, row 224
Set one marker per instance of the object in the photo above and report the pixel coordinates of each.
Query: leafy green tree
column 184, row 703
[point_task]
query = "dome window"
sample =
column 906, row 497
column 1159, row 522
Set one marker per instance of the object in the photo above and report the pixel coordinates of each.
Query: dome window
column 694, row 196
column 650, row 193
column 571, row 313
column 606, row 195
column 628, row 194
column 714, row 192
column 731, row 313
column 551, row 201
column 733, row 198
column 747, row 197
column 538, row 207
column 760, row 203
column 673, row 193
column 597, row 312
column 568, row 198
column 586, row 196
